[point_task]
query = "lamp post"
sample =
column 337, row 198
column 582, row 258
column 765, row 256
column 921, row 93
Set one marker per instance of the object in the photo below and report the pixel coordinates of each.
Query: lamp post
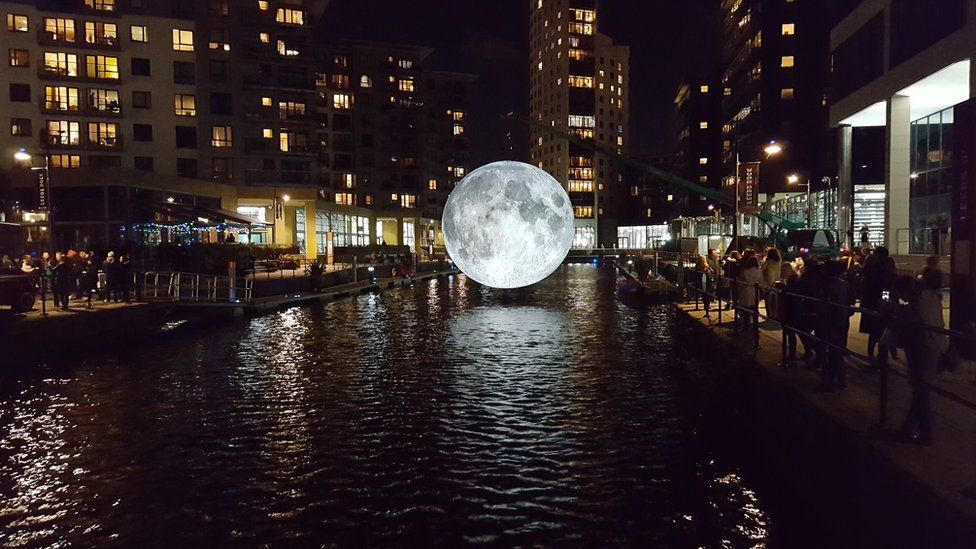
column 794, row 179
column 23, row 156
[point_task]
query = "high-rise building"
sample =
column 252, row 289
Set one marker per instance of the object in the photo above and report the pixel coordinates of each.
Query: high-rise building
column 698, row 104
column 210, row 113
column 394, row 135
column 775, row 74
column 578, row 84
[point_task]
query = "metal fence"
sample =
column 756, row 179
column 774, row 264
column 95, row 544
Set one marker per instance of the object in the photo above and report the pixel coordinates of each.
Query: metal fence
column 821, row 306
column 177, row 286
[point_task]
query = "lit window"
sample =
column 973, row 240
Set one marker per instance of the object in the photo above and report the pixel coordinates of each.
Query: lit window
column 703, row 179
column 786, row 93
column 64, row 132
column 405, row 63
column 458, row 129
column 103, row 66
column 457, row 115
column 139, row 33
column 221, row 136
column 581, row 28
column 291, row 110
column 634, row 190
column 101, row 33
column 62, row 64
column 103, row 134
column 703, row 125
column 101, row 5
column 60, row 30
column 394, row 197
column 786, row 61
column 19, row 58
column 267, row 133
column 182, row 40
column 264, row 37
column 587, row 16
column 432, row 184
column 670, row 198
column 345, row 199
column 580, row 186
column 369, row 199
column 348, row 180
column 185, row 105
column 290, row 16
column 581, row 121
column 405, row 84
column 266, row 102
column 365, row 82
column 789, row 29
column 580, row 81
column 60, row 98
column 408, row 200
column 16, row 23
column 459, row 171
column 264, row 5
column 583, row 212
column 65, row 161
column 341, row 101
column 703, row 160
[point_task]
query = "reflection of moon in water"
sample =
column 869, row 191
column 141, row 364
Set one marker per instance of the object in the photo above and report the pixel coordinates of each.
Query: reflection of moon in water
column 508, row 224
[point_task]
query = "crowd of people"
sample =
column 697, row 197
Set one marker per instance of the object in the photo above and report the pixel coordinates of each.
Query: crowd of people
column 814, row 301
column 79, row 275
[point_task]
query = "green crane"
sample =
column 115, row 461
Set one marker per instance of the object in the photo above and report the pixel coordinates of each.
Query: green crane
column 780, row 227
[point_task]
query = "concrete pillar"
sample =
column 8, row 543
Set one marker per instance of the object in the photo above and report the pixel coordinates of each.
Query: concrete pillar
column 281, row 234
column 897, row 173
column 845, row 185
column 311, row 245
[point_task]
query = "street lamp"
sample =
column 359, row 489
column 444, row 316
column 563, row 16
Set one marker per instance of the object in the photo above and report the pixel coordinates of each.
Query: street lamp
column 773, row 149
column 794, row 179
column 23, row 156
column 285, row 198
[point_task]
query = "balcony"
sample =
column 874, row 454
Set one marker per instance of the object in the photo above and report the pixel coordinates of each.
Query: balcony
column 274, row 113
column 257, row 177
column 111, row 109
column 50, row 38
column 273, row 146
column 105, row 142
column 62, row 74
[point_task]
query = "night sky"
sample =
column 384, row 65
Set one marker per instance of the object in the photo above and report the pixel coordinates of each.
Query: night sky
column 669, row 39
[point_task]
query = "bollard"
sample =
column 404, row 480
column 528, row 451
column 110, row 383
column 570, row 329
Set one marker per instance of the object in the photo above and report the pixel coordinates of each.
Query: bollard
column 43, row 296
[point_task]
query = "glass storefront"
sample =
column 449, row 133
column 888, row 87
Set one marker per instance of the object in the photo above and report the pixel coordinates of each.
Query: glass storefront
column 347, row 230
column 930, row 197
column 869, row 213
column 585, row 237
column 642, row 236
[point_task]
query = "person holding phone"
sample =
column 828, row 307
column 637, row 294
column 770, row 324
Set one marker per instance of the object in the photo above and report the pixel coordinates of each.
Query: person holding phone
column 877, row 277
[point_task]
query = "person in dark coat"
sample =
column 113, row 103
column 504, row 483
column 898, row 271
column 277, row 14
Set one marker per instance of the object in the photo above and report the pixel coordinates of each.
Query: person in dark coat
column 732, row 270
column 62, row 281
column 810, row 285
column 89, row 278
column 787, row 309
column 876, row 279
column 111, row 268
column 125, row 277
column 834, row 323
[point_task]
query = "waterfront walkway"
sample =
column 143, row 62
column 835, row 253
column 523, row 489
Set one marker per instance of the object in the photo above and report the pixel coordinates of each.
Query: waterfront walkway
column 946, row 469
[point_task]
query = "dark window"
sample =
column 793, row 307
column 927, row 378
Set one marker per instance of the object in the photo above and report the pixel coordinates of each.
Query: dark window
column 186, row 137
column 220, row 71
column 19, row 58
column 20, row 127
column 186, row 167
column 142, row 132
column 220, row 8
column 268, row 164
column 98, row 161
column 142, row 99
column 859, row 59
column 140, row 67
column 917, row 25
column 184, row 73
column 223, row 169
column 144, row 163
column 20, row 93
column 221, row 103
column 138, row 4
column 367, row 139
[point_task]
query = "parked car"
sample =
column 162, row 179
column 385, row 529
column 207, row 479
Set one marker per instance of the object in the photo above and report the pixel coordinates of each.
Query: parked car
column 17, row 290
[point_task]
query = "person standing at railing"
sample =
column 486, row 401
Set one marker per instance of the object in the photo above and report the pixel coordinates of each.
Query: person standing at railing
column 786, row 308
column 877, row 278
column 732, row 270
column 748, row 297
column 918, row 334
column 62, row 281
column 811, row 284
column 125, row 277
column 834, row 325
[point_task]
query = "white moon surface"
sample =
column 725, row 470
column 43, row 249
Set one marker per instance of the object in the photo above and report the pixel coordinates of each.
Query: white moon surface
column 508, row 224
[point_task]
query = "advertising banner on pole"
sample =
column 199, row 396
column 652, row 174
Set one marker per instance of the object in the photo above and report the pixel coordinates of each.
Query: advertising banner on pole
column 749, row 188
column 43, row 200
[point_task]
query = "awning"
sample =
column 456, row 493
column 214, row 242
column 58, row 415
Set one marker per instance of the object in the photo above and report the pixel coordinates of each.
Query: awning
column 191, row 213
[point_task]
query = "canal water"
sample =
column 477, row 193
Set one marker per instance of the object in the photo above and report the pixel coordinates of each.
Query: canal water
column 437, row 415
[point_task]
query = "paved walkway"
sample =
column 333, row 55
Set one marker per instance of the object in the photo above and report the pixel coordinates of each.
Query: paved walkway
column 947, row 468
column 77, row 307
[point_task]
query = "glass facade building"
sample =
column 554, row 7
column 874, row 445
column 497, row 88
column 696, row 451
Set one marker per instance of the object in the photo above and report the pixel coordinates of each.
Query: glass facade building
column 930, row 195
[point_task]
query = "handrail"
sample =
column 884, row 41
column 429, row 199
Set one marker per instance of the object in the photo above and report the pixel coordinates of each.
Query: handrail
column 698, row 291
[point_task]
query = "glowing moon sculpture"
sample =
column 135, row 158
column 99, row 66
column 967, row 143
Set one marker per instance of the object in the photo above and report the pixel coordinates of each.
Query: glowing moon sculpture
column 508, row 224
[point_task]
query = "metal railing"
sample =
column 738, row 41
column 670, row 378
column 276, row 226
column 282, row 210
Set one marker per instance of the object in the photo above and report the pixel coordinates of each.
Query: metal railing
column 810, row 335
column 194, row 287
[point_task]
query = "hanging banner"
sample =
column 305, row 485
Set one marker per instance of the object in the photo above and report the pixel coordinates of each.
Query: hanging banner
column 43, row 191
column 749, row 188
column 329, row 248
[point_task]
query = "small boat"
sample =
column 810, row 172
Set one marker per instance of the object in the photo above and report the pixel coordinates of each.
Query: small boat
column 629, row 286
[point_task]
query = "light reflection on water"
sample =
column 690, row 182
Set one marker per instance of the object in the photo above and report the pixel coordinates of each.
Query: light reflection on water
column 441, row 414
